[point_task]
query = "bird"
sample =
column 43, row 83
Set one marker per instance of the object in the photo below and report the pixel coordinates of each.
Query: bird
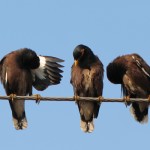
column 133, row 73
column 87, row 81
column 22, row 69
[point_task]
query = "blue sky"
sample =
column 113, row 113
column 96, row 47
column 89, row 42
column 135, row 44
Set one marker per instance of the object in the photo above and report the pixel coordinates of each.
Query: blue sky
column 55, row 27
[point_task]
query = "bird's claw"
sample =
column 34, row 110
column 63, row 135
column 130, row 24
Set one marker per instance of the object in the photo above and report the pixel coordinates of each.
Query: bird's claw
column 76, row 98
column 12, row 96
column 38, row 98
column 100, row 98
column 126, row 100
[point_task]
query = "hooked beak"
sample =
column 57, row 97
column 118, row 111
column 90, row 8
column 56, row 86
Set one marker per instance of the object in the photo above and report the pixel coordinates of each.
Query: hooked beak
column 76, row 62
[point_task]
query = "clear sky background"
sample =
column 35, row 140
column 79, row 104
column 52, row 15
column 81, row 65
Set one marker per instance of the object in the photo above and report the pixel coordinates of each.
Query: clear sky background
column 54, row 27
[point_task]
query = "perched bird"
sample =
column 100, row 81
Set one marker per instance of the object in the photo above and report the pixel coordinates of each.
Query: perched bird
column 22, row 69
column 133, row 73
column 87, row 81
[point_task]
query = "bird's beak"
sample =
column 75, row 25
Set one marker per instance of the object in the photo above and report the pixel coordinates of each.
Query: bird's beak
column 76, row 62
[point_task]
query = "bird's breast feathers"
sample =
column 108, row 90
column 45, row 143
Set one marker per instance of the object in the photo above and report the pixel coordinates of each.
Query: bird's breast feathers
column 87, row 79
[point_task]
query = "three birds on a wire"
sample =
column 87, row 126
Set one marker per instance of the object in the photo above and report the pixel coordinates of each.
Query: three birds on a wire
column 23, row 69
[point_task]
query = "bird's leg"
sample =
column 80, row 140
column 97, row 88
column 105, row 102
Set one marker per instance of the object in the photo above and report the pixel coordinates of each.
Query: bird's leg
column 38, row 98
column 12, row 96
column 76, row 98
column 100, row 98
column 126, row 100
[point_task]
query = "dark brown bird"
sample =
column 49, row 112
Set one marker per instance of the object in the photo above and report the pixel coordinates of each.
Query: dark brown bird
column 22, row 69
column 87, row 81
column 133, row 73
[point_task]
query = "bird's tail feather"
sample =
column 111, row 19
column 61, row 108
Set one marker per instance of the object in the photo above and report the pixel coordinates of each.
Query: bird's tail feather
column 140, row 112
column 87, row 126
column 18, row 114
column 20, row 124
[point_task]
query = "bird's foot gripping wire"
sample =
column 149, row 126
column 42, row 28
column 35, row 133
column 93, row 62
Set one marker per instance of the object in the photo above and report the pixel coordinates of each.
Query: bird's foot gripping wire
column 126, row 100
column 100, row 99
column 76, row 98
column 38, row 98
column 12, row 96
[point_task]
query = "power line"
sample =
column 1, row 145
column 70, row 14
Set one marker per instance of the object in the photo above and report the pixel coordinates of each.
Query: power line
column 74, row 98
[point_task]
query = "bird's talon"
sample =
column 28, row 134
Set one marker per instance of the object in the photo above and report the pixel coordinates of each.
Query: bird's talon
column 76, row 98
column 38, row 98
column 126, row 100
column 12, row 96
column 100, row 98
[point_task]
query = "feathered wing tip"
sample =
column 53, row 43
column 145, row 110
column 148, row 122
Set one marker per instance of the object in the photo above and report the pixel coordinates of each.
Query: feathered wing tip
column 139, row 112
column 87, row 126
column 53, row 70
column 48, row 73
column 20, row 124
column 53, row 59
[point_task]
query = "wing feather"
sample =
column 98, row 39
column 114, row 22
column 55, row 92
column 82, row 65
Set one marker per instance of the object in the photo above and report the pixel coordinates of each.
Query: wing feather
column 48, row 72
column 142, row 64
column 98, row 84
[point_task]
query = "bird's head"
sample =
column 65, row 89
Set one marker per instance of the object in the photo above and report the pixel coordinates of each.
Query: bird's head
column 29, row 58
column 82, row 55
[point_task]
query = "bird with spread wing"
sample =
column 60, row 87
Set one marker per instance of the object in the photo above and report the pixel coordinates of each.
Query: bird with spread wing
column 22, row 69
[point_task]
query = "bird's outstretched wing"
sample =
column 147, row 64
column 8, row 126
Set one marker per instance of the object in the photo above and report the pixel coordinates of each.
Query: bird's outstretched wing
column 48, row 73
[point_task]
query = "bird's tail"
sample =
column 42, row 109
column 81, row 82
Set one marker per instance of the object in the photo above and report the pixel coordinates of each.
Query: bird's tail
column 87, row 126
column 18, row 114
column 20, row 124
column 140, row 112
